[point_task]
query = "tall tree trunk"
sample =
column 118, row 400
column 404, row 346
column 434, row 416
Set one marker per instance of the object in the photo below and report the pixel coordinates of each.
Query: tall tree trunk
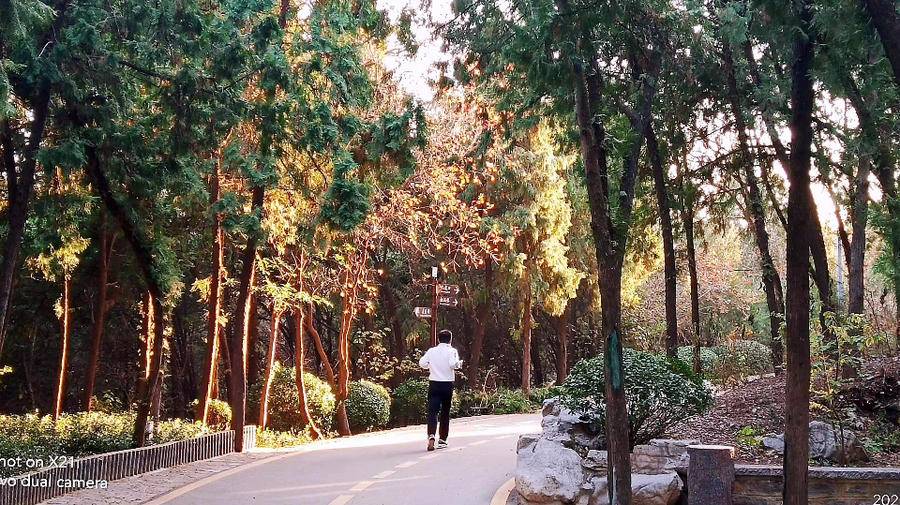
column 800, row 210
column 65, row 322
column 859, row 221
column 209, row 377
column 526, row 334
column 688, row 218
column 299, row 371
column 665, row 222
column 99, row 311
column 320, row 349
column 883, row 14
column 563, row 333
column 482, row 314
column 240, row 329
column 274, row 326
column 146, row 261
column 19, row 189
column 253, row 341
column 770, row 278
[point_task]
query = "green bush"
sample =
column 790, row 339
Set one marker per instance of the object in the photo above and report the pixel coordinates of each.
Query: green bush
column 732, row 361
column 409, row 403
column 368, row 406
column 178, row 429
column 27, row 436
column 512, row 401
column 658, row 395
column 284, row 410
column 219, row 416
column 272, row 439
column 95, row 432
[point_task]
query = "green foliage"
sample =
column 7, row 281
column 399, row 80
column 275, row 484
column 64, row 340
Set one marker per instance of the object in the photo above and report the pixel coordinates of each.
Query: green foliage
column 284, row 411
column 748, row 436
column 658, row 395
column 271, row 439
column 368, row 406
column 731, row 362
column 219, row 415
column 409, row 405
column 179, row 429
column 882, row 436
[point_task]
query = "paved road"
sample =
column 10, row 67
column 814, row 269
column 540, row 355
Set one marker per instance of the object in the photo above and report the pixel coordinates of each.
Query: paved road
column 386, row 468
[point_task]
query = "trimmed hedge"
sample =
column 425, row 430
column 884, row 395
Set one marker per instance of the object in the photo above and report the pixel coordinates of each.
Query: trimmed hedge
column 732, row 361
column 368, row 406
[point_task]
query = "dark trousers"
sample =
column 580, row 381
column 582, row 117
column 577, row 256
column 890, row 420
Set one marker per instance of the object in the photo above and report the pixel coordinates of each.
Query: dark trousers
column 440, row 394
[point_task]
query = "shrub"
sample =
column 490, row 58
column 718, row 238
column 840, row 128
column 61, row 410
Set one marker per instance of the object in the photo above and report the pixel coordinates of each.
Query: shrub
column 27, row 436
column 658, row 395
column 732, row 361
column 219, row 416
column 512, row 401
column 95, row 432
column 272, row 439
column 178, row 429
column 409, row 403
column 284, row 402
column 368, row 406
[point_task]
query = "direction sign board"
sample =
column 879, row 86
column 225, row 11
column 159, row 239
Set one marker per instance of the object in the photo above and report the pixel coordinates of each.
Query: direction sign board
column 422, row 312
column 448, row 301
column 448, row 289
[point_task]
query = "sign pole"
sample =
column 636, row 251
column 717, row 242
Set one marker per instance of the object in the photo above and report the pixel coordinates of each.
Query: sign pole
column 434, row 306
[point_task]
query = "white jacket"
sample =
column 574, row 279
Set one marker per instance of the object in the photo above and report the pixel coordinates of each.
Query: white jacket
column 441, row 361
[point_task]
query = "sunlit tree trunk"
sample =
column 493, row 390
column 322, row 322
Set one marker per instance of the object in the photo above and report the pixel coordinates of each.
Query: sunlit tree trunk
column 65, row 320
column 100, row 310
column 563, row 333
column 274, row 326
column 299, row 370
column 526, row 332
column 209, row 375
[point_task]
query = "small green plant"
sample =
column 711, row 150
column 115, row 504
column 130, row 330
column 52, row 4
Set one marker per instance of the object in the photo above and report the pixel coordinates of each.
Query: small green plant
column 368, row 406
column 748, row 436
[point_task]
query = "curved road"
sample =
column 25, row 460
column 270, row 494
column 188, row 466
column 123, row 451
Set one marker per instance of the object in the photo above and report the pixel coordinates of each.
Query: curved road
column 385, row 468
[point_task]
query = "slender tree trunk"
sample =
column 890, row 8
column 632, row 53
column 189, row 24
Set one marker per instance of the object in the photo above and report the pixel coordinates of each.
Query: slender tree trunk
column 253, row 341
column 299, row 371
column 688, row 218
column 526, row 333
column 770, row 278
column 883, row 14
column 665, row 222
column 482, row 314
column 320, row 349
column 99, row 312
column 209, row 377
column 274, row 326
column 800, row 209
column 147, row 387
column 240, row 330
column 65, row 321
column 563, row 333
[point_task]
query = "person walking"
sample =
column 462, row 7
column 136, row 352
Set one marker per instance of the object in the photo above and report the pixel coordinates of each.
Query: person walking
column 441, row 361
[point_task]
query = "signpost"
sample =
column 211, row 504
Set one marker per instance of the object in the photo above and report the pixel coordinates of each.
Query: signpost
column 443, row 295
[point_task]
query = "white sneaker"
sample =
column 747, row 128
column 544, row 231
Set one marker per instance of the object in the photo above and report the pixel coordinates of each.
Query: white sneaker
column 442, row 444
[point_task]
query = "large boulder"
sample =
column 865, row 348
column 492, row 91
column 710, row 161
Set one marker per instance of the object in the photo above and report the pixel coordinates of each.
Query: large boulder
column 547, row 472
column 561, row 425
column 657, row 489
column 825, row 443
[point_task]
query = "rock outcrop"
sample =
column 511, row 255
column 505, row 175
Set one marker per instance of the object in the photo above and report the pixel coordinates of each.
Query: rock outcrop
column 564, row 465
column 825, row 442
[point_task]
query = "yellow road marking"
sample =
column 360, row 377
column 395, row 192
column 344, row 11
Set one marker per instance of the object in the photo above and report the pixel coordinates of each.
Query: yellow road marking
column 502, row 494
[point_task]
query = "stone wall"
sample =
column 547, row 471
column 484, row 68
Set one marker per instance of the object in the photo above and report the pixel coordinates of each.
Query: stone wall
column 761, row 485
